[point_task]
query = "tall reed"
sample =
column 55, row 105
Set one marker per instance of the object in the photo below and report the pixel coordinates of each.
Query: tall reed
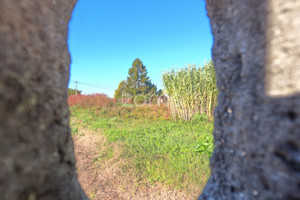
column 191, row 90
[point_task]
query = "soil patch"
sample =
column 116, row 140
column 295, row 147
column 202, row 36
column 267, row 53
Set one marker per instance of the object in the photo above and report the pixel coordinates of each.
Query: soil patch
column 105, row 174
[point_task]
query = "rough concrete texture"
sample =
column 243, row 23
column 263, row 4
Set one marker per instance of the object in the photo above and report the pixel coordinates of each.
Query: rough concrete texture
column 257, row 136
column 36, row 149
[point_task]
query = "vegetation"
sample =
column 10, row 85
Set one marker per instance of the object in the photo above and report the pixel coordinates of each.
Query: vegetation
column 87, row 101
column 157, row 148
column 191, row 90
column 137, row 83
column 73, row 91
column 120, row 90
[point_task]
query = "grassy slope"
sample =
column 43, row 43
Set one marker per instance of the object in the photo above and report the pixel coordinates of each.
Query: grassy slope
column 166, row 151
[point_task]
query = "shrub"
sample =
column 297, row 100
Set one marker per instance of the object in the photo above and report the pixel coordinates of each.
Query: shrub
column 88, row 101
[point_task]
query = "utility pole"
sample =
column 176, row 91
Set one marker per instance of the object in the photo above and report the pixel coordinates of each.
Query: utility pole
column 76, row 86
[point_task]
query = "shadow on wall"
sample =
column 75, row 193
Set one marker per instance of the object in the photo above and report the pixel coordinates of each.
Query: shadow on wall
column 283, row 67
column 257, row 120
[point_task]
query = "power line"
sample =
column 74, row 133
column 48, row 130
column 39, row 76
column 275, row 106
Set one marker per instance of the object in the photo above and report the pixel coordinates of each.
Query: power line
column 94, row 85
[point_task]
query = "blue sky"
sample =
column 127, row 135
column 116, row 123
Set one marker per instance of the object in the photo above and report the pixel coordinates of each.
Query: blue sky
column 105, row 36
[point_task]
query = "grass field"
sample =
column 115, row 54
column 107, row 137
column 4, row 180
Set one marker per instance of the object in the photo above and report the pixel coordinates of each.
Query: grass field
column 158, row 149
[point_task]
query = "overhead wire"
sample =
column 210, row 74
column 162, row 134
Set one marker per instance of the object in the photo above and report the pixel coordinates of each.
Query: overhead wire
column 78, row 56
column 103, row 87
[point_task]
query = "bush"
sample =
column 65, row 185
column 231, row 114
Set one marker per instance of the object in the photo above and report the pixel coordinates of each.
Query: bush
column 88, row 101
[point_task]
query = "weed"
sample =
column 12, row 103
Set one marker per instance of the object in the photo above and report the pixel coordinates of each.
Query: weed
column 93, row 195
column 106, row 154
column 74, row 130
column 173, row 152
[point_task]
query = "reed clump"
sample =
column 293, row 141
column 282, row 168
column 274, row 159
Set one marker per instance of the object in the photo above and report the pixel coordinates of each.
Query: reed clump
column 191, row 90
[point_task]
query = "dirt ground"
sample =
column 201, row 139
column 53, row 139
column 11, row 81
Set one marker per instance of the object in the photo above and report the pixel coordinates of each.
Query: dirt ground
column 103, row 173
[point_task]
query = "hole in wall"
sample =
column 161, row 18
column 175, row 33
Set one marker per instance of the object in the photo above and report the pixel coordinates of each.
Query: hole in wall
column 292, row 115
column 232, row 189
column 288, row 153
column 107, row 36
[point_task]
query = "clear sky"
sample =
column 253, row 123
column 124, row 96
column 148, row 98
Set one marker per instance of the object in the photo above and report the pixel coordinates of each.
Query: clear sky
column 106, row 36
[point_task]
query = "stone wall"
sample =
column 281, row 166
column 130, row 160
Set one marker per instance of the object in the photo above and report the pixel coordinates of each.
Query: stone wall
column 257, row 121
column 36, row 149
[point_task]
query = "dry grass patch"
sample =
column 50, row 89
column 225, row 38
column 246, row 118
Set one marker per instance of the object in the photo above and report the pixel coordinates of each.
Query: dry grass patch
column 105, row 174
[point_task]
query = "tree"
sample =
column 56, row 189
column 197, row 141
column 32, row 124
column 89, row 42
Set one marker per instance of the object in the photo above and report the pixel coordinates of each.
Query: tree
column 138, row 81
column 152, row 90
column 73, row 91
column 159, row 93
column 121, row 88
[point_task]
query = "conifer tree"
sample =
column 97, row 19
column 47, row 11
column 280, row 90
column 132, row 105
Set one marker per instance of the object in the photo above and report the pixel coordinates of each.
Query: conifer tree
column 138, row 81
column 122, row 88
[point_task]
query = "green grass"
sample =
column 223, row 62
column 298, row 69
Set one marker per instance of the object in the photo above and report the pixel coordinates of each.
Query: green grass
column 173, row 152
column 106, row 154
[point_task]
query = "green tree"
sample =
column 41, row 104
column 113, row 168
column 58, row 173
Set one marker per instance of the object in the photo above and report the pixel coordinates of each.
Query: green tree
column 73, row 91
column 138, row 81
column 159, row 93
column 152, row 90
column 121, row 88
